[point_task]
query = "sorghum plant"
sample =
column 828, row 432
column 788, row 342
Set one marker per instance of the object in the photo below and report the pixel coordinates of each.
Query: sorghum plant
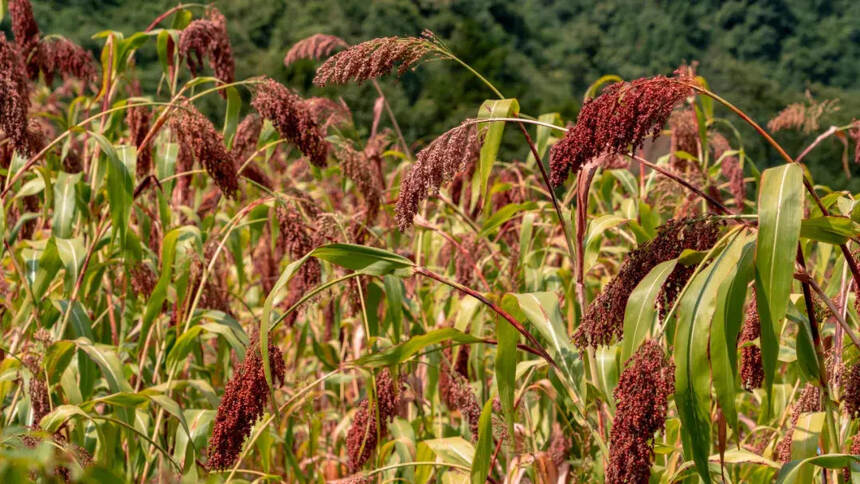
column 271, row 290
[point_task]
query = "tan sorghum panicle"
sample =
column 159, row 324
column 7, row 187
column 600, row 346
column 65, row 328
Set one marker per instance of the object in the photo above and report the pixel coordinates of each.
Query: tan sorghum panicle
column 604, row 317
column 208, row 38
column 242, row 404
column 195, row 131
column 854, row 132
column 641, row 398
column 434, row 166
column 803, row 116
column 374, row 58
column 290, row 116
column 617, row 120
column 316, row 46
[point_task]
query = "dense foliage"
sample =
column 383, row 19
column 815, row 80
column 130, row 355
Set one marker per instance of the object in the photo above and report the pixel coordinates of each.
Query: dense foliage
column 211, row 275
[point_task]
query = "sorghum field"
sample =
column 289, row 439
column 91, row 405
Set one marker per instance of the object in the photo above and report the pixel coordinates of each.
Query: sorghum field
column 220, row 279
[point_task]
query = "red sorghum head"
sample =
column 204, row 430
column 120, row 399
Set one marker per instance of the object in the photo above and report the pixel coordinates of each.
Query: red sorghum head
column 362, row 437
column 730, row 167
column 604, row 317
column 434, row 166
column 196, row 132
column 297, row 241
column 455, row 391
column 138, row 118
column 64, row 57
column 641, row 398
column 619, row 119
column 208, row 38
column 685, row 135
column 316, row 46
column 24, row 26
column 290, row 116
column 851, row 393
column 247, row 135
column 374, row 58
column 14, row 97
column 327, row 112
column 242, row 404
column 751, row 370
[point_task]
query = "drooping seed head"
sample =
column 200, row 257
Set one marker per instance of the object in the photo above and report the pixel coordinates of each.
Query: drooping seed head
column 209, row 38
column 297, row 241
column 455, row 391
column 604, row 317
column 851, row 393
column 14, row 97
column 196, row 132
column 328, row 113
column 641, row 398
column 242, row 404
column 435, row 165
column 290, row 116
column 617, row 120
column 138, row 119
column 362, row 437
column 64, row 57
column 374, row 58
column 317, row 46
column 24, row 26
column 751, row 370
column 730, row 167
column 803, row 116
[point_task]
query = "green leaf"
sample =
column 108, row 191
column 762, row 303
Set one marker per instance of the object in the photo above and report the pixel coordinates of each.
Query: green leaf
column 370, row 260
column 64, row 204
column 544, row 133
column 72, row 253
column 804, row 348
column 266, row 320
column 108, row 361
column 542, row 310
column 231, row 116
column 399, row 353
column 794, row 472
column 506, row 368
column 830, row 229
column 483, row 454
column 453, row 450
column 503, row 215
column 728, row 316
column 780, row 210
column 492, row 139
column 168, row 253
column 640, row 315
column 120, row 188
column 692, row 373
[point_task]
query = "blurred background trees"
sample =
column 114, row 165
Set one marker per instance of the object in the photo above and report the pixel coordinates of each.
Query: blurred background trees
column 760, row 55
